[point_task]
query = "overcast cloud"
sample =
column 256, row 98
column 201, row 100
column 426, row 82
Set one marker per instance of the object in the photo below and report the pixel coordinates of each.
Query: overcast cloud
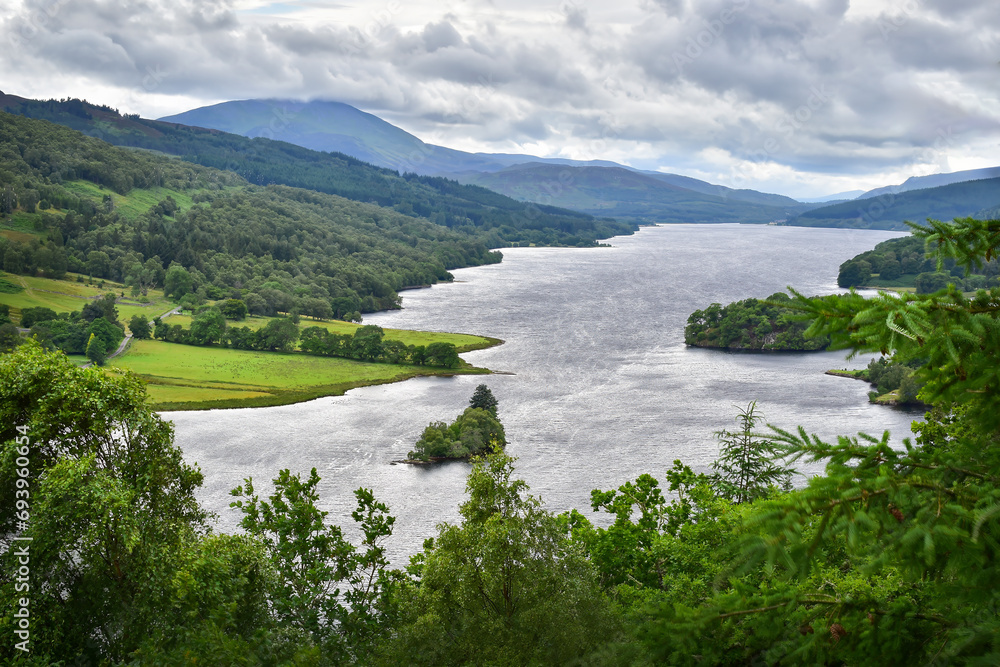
column 802, row 97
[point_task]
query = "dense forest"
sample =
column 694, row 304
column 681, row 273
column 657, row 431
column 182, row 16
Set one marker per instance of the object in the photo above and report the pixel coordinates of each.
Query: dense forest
column 482, row 214
column 901, row 262
column 751, row 324
column 150, row 220
column 889, row 557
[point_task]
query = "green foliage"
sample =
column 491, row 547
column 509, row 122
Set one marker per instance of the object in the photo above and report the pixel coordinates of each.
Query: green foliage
column 745, row 469
column 368, row 344
column 628, row 553
column 234, row 309
column 751, row 324
column 956, row 336
column 441, row 354
column 312, row 560
column 893, row 551
column 139, row 326
column 96, row 350
column 854, row 274
column 9, row 337
column 503, row 587
column 101, row 307
column 483, row 399
column 208, row 327
column 474, row 432
column 111, row 504
column 177, row 282
column 277, row 335
column 902, row 262
column 29, row 316
column 109, row 334
column 926, row 283
column 478, row 214
column 8, row 287
column 322, row 254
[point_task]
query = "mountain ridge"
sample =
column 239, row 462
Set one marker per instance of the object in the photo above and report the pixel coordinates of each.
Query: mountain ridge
column 371, row 138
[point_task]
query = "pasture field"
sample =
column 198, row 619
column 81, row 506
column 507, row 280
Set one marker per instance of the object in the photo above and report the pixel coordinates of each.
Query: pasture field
column 188, row 377
column 65, row 296
column 462, row 342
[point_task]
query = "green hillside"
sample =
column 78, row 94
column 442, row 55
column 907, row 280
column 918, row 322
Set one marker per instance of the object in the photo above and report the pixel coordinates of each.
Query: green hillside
column 491, row 218
column 74, row 203
column 889, row 211
column 903, row 263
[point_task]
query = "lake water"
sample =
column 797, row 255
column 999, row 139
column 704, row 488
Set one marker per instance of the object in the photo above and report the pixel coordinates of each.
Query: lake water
column 601, row 386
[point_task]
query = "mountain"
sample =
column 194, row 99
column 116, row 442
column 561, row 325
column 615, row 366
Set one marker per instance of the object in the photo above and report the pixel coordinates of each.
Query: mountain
column 483, row 215
column 945, row 202
column 933, row 181
column 727, row 193
column 334, row 126
column 627, row 194
column 834, row 198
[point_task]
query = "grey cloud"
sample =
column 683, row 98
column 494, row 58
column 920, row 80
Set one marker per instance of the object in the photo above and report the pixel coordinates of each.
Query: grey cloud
column 440, row 35
column 576, row 18
column 897, row 80
column 672, row 7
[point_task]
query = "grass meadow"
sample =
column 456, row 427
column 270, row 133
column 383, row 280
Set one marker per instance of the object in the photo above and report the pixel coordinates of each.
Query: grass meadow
column 187, row 377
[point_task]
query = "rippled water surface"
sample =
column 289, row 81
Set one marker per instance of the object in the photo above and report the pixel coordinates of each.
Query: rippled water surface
column 602, row 387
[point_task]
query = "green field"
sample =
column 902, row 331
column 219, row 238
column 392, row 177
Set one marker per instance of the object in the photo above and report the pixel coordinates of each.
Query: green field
column 462, row 342
column 64, row 296
column 187, row 377
column 135, row 203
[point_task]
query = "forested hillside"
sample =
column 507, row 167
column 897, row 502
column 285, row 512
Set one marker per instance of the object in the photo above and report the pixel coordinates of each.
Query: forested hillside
column 73, row 203
column 495, row 219
column 901, row 262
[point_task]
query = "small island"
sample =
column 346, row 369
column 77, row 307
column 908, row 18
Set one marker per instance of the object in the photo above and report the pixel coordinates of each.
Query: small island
column 751, row 324
column 475, row 432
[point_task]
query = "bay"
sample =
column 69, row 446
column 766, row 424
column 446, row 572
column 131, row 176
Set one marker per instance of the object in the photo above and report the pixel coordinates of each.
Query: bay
column 601, row 386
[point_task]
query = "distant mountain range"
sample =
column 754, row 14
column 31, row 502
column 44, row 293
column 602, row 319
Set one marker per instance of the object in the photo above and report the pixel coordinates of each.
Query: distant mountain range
column 337, row 127
column 889, row 211
column 490, row 217
column 598, row 185
column 344, row 135
column 838, row 197
column 933, row 181
column 622, row 193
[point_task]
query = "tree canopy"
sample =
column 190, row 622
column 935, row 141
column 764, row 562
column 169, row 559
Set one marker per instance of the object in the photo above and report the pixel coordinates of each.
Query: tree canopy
column 751, row 324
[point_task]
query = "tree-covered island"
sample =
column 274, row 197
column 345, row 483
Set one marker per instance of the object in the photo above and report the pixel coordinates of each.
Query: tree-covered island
column 751, row 324
column 475, row 432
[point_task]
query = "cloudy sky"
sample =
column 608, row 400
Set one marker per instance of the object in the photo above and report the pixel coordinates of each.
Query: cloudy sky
column 802, row 97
